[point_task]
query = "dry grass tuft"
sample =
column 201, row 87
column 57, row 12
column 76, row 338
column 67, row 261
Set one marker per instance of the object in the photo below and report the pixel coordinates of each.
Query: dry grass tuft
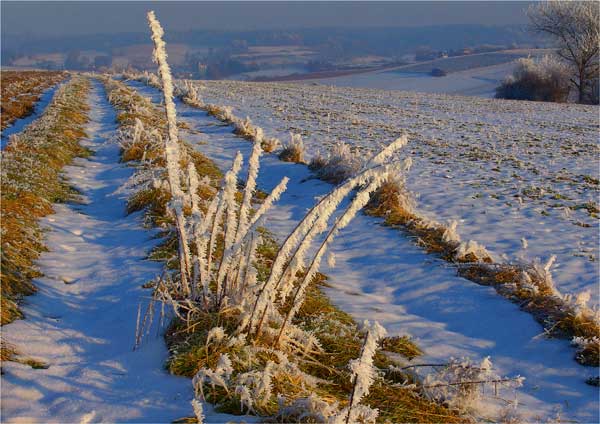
column 291, row 154
column 589, row 355
column 340, row 164
column 294, row 150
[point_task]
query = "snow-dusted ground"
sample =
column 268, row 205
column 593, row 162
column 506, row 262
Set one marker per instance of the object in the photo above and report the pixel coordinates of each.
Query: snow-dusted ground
column 82, row 321
column 20, row 124
column 269, row 73
column 381, row 274
column 506, row 170
column 480, row 82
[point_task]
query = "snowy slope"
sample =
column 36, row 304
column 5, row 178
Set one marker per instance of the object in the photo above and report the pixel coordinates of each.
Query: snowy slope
column 380, row 274
column 480, row 82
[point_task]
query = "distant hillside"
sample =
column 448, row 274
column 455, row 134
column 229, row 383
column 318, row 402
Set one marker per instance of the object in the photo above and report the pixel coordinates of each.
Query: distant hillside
column 330, row 45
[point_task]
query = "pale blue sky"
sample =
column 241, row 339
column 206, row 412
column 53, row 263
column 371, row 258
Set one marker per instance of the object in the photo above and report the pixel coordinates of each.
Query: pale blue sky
column 83, row 17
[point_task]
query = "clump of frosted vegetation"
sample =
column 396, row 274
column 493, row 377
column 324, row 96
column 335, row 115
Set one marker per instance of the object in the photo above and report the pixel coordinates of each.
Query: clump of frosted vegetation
column 450, row 234
column 587, row 350
column 460, row 383
column 190, row 94
column 145, row 77
column 218, row 269
column 339, row 164
column 246, row 129
column 227, row 281
column 270, row 144
column 545, row 80
column 222, row 113
column 294, row 150
column 471, row 251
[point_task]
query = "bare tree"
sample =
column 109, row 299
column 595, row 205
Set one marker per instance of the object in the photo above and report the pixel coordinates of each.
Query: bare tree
column 575, row 25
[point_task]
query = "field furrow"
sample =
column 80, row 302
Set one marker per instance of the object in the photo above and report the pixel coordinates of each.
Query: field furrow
column 76, row 342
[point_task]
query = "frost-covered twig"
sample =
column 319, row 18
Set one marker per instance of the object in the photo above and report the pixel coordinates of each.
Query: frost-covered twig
column 363, row 375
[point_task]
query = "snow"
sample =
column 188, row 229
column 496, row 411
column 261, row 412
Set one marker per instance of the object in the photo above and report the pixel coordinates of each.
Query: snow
column 82, row 321
column 269, row 73
column 503, row 169
column 480, row 82
column 20, row 124
column 382, row 275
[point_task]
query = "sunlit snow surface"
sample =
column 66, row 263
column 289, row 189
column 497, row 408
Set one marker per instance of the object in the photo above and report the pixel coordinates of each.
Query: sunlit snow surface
column 480, row 82
column 82, row 320
column 506, row 170
column 380, row 274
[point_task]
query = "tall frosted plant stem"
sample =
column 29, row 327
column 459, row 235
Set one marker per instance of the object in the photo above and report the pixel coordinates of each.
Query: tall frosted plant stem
column 253, row 166
column 231, row 223
column 243, row 221
column 172, row 149
column 361, row 199
column 362, row 368
column 324, row 208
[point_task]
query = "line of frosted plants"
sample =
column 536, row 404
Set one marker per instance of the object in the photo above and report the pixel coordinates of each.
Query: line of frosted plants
column 218, row 244
column 217, row 273
column 561, row 314
column 441, row 387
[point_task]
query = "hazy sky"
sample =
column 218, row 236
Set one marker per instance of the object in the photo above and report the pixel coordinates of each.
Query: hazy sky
column 87, row 17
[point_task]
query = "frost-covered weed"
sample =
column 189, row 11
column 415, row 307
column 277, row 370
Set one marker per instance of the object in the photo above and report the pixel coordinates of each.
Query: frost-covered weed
column 198, row 411
column 222, row 113
column 317, row 162
column 294, row 150
column 450, row 234
column 460, row 383
column 270, row 144
column 245, row 129
column 363, row 375
column 340, row 164
column 471, row 251
column 306, row 409
column 588, row 350
column 173, row 152
column 190, row 94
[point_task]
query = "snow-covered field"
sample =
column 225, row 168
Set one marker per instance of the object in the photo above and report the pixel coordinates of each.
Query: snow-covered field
column 382, row 275
column 480, row 82
column 522, row 178
column 469, row 75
